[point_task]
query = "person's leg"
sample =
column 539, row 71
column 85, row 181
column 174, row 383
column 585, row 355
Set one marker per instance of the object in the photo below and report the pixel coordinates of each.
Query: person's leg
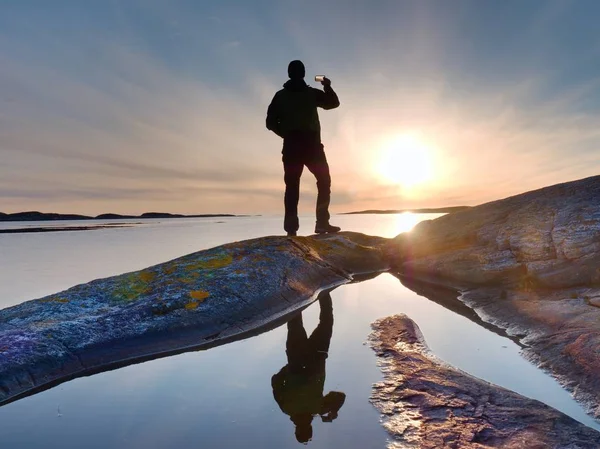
column 321, row 337
column 318, row 344
column 317, row 164
column 296, row 344
column 292, row 173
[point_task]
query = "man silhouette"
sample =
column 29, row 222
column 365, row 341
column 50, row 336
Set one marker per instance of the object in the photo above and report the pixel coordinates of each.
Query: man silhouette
column 293, row 116
column 298, row 386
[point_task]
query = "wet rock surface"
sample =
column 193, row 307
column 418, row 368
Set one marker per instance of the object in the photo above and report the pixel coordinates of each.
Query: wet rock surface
column 199, row 300
column 529, row 264
column 427, row 404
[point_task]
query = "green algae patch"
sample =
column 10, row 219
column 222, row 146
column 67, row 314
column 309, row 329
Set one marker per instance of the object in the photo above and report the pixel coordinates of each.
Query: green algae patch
column 168, row 270
column 147, row 276
column 212, row 263
column 316, row 248
column 321, row 246
column 259, row 258
column 188, row 279
column 133, row 285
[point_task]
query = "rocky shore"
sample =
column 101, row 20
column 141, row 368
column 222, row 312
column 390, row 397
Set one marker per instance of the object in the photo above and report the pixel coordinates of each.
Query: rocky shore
column 529, row 264
column 527, row 267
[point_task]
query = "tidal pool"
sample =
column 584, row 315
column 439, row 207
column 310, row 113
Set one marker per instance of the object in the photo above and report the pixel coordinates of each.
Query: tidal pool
column 246, row 393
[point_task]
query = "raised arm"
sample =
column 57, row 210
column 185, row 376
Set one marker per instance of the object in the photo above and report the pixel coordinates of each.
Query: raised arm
column 327, row 98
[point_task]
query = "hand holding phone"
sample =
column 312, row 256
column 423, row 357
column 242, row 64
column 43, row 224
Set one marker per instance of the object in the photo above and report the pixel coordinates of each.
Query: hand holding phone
column 323, row 80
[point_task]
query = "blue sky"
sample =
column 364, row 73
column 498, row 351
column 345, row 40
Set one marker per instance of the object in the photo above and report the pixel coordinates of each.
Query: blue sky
column 130, row 106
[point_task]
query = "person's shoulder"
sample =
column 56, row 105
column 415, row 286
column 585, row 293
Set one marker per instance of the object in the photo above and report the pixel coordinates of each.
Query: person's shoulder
column 279, row 93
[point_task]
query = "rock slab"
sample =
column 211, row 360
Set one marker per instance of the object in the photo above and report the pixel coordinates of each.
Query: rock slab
column 426, row 404
column 194, row 301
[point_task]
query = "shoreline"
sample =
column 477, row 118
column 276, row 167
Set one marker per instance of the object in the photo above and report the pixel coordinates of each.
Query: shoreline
column 433, row 210
column 43, row 216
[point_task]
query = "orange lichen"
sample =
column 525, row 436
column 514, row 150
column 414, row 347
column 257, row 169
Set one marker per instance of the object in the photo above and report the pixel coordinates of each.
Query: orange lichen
column 198, row 296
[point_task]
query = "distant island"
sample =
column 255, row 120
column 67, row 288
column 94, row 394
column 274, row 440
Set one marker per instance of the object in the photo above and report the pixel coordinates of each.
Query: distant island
column 41, row 216
column 437, row 210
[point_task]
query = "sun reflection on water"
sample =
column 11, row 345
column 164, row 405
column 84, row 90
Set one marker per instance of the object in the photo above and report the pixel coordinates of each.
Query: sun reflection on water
column 406, row 221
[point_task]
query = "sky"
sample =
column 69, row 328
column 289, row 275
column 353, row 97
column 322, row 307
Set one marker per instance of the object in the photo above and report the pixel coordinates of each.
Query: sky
column 129, row 106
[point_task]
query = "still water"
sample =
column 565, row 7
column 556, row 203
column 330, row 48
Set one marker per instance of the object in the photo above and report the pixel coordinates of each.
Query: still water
column 231, row 396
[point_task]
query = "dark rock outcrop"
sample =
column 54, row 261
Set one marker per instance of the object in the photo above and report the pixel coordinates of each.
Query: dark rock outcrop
column 547, row 238
column 194, row 301
column 426, row 404
column 529, row 264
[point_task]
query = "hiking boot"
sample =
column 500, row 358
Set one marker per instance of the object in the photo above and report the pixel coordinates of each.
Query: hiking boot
column 292, row 234
column 326, row 228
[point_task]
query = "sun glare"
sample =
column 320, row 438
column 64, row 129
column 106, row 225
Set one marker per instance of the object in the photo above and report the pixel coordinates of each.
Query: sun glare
column 405, row 222
column 405, row 160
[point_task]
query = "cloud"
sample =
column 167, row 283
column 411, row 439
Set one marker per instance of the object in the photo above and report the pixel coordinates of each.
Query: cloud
column 158, row 118
column 146, row 127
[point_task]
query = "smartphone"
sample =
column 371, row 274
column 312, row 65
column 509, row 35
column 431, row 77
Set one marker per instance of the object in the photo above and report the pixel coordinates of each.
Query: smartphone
column 319, row 78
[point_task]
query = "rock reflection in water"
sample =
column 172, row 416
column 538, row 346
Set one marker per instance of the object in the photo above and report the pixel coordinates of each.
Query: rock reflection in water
column 298, row 386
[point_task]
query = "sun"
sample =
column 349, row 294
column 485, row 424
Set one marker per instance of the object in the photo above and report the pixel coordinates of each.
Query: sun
column 405, row 160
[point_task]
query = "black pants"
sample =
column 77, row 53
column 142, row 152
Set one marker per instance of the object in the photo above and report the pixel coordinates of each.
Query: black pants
column 306, row 355
column 300, row 151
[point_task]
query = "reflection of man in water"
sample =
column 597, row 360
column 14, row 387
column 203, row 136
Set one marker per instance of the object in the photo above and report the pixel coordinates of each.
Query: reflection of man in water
column 298, row 386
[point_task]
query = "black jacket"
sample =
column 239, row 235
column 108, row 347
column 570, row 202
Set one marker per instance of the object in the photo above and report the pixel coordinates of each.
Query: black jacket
column 294, row 108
